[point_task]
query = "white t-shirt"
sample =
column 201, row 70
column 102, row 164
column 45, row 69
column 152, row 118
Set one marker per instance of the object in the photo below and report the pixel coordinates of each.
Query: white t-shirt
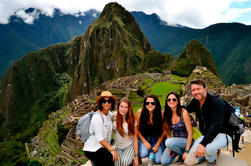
column 102, row 130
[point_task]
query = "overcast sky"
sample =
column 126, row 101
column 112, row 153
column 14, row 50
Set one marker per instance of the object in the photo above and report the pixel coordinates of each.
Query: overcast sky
column 191, row 13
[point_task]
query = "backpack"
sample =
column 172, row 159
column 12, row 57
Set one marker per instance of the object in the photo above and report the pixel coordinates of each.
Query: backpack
column 83, row 126
column 234, row 123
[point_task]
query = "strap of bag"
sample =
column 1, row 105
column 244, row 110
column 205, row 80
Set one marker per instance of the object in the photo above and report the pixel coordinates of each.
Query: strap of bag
column 97, row 112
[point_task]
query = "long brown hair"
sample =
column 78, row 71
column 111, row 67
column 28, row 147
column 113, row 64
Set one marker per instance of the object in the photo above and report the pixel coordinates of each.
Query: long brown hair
column 129, row 119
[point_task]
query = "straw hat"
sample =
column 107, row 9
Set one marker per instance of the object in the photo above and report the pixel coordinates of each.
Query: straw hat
column 105, row 94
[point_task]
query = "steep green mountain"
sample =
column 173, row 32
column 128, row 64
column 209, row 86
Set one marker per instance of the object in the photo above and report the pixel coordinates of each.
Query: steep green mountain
column 228, row 44
column 18, row 38
column 195, row 54
column 43, row 81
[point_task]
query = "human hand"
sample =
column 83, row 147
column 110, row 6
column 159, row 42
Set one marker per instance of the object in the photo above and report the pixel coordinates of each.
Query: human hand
column 155, row 148
column 184, row 156
column 136, row 161
column 201, row 151
column 147, row 145
column 115, row 155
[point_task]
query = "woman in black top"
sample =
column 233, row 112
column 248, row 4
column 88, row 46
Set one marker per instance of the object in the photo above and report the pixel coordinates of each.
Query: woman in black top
column 149, row 125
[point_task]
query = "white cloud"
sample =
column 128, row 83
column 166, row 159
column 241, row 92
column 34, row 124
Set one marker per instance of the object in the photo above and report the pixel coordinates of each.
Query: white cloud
column 192, row 13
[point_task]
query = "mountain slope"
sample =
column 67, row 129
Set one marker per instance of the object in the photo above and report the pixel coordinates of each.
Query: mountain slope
column 195, row 54
column 43, row 81
column 18, row 38
column 228, row 44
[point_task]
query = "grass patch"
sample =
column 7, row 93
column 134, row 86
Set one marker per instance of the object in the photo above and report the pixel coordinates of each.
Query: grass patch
column 162, row 89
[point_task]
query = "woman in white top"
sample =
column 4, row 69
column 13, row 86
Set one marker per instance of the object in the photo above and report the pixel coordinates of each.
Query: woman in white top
column 126, row 141
column 97, row 148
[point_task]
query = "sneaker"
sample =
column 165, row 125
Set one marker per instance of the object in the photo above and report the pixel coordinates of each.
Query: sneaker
column 180, row 161
column 191, row 159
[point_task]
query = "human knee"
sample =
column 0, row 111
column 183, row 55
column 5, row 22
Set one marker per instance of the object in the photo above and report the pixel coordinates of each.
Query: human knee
column 170, row 144
column 143, row 153
column 157, row 159
column 165, row 160
column 211, row 150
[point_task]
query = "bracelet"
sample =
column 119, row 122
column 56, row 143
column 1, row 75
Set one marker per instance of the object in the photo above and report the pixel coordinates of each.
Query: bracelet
column 187, row 151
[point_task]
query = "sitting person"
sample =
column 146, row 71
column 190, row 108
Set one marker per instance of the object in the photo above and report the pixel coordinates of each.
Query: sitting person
column 211, row 111
column 149, row 126
column 177, row 120
column 126, row 140
column 97, row 148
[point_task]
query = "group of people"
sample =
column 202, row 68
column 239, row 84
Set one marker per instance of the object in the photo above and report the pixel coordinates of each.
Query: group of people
column 165, row 133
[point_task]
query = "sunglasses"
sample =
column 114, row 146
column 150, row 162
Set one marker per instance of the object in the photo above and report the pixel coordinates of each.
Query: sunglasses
column 103, row 101
column 147, row 103
column 172, row 99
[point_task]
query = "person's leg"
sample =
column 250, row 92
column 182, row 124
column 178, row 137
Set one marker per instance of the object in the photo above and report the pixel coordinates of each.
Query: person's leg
column 120, row 152
column 236, row 142
column 191, row 158
column 143, row 151
column 103, row 157
column 127, row 156
column 176, row 144
column 158, row 154
column 219, row 142
column 167, row 156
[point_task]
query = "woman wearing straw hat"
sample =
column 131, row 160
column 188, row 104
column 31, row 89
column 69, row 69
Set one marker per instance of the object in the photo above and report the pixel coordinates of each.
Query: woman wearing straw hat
column 97, row 148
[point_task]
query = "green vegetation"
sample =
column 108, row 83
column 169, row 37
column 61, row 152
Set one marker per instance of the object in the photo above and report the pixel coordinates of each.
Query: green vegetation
column 161, row 90
column 194, row 54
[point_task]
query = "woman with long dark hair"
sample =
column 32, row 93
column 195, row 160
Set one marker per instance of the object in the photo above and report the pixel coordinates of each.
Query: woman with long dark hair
column 177, row 120
column 149, row 125
column 97, row 148
column 126, row 140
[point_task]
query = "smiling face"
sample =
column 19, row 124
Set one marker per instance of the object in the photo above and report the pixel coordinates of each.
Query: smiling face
column 123, row 108
column 106, row 103
column 150, row 104
column 172, row 101
column 198, row 92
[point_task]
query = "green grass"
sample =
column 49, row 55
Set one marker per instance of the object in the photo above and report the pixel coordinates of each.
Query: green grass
column 162, row 89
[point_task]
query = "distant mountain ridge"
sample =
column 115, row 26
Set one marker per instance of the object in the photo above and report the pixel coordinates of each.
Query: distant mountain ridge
column 229, row 44
column 43, row 81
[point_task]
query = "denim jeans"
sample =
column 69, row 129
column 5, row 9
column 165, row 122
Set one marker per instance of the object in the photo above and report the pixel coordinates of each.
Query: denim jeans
column 219, row 142
column 174, row 146
column 144, row 152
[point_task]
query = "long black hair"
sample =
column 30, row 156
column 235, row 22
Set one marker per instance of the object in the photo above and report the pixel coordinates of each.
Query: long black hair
column 145, row 117
column 168, row 112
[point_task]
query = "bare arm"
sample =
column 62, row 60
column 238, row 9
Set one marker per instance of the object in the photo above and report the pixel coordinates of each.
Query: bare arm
column 106, row 145
column 136, row 147
column 188, row 124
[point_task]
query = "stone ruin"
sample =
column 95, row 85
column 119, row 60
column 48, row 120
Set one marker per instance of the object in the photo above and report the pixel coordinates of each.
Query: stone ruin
column 238, row 95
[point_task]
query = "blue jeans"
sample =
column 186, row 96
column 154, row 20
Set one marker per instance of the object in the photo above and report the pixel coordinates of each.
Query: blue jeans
column 219, row 142
column 144, row 152
column 174, row 146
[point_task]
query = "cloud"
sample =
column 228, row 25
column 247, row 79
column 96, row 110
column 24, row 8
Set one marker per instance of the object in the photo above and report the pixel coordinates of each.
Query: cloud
column 192, row 13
